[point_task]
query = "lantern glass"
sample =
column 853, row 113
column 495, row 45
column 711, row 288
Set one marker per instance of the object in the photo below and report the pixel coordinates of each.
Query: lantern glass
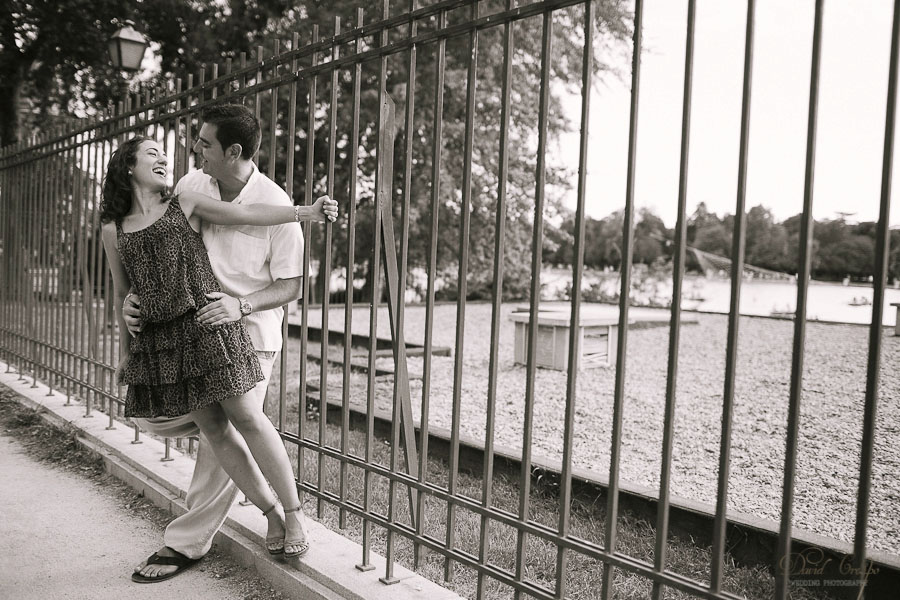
column 126, row 49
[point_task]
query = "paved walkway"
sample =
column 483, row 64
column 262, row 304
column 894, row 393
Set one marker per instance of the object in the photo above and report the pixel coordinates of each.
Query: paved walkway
column 62, row 538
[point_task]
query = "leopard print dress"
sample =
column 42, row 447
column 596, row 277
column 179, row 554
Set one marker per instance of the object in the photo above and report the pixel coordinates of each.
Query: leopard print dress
column 177, row 365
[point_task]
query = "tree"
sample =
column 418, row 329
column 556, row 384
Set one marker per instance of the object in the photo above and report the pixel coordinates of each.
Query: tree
column 49, row 76
column 766, row 242
column 194, row 33
column 650, row 235
column 613, row 24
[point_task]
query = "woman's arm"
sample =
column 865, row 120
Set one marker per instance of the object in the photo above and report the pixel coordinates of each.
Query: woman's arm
column 121, row 285
column 227, row 213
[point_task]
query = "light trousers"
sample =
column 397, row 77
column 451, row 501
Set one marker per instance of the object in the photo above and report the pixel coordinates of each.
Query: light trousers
column 211, row 493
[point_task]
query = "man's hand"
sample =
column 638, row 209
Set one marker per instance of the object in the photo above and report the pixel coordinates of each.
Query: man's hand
column 325, row 208
column 131, row 311
column 223, row 309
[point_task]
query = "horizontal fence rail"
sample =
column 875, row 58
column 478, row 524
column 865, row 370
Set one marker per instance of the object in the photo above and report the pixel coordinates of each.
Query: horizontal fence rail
column 388, row 117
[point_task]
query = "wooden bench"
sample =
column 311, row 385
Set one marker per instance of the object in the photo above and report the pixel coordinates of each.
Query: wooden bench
column 597, row 340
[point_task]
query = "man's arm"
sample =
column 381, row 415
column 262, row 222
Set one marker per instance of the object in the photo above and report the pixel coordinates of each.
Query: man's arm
column 225, row 308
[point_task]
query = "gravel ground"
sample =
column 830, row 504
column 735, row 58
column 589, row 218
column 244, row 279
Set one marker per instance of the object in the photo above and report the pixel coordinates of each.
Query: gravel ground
column 834, row 384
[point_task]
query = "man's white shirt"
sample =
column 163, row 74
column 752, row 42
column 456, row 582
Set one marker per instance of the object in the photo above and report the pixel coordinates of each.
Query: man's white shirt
column 248, row 258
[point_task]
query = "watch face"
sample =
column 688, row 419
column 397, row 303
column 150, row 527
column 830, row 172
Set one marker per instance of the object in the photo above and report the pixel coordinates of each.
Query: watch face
column 245, row 307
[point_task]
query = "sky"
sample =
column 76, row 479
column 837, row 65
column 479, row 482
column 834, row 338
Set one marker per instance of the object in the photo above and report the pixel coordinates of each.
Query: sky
column 851, row 115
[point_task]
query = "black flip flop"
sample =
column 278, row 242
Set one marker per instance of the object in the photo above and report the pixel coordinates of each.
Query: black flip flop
column 180, row 561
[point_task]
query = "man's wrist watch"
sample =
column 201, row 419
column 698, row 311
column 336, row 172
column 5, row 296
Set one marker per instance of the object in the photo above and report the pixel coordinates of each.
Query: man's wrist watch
column 246, row 307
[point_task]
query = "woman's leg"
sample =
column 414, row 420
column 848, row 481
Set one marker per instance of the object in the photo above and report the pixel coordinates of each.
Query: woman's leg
column 234, row 457
column 247, row 416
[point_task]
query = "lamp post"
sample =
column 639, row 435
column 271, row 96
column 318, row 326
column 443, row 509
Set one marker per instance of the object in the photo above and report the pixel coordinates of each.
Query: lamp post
column 126, row 49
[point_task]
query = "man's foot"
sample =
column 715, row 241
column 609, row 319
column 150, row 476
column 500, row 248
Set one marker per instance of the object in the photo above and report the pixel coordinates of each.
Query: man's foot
column 163, row 564
column 296, row 542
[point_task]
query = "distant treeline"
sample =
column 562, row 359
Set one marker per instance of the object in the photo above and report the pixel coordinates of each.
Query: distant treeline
column 840, row 249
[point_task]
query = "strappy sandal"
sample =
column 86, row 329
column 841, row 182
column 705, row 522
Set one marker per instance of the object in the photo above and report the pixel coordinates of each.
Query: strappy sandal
column 294, row 548
column 274, row 544
column 180, row 561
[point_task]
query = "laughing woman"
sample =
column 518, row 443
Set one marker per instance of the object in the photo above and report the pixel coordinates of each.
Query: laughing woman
column 175, row 365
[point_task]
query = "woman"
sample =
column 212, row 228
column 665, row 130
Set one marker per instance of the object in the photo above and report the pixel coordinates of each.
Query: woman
column 176, row 366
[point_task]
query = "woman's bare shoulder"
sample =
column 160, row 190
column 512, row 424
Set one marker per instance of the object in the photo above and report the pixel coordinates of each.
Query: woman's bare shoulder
column 108, row 233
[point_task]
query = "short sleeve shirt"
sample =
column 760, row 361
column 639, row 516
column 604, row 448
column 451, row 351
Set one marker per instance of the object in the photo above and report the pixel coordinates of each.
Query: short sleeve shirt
column 248, row 258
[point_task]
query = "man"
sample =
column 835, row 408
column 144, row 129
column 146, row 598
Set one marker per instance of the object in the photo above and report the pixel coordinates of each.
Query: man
column 260, row 270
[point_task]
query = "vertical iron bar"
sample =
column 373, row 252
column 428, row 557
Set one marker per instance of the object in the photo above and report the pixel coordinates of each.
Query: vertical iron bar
column 6, row 200
column 62, row 252
column 308, row 183
column 44, row 201
column 665, row 474
column 465, row 218
column 178, row 157
column 535, row 299
column 325, row 269
column 6, row 211
column 289, row 188
column 260, row 53
column 384, row 121
column 436, row 150
column 782, row 570
column 201, row 93
column 55, row 163
column 37, row 194
column 65, row 299
column 401, row 374
column 188, row 124
column 737, row 269
column 612, row 503
column 496, row 302
column 273, row 120
column 375, row 279
column 79, row 231
column 351, row 255
column 565, row 483
column 89, row 238
column 882, row 252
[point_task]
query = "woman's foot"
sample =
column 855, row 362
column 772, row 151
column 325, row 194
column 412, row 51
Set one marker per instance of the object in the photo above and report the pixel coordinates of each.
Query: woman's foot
column 295, row 541
column 275, row 532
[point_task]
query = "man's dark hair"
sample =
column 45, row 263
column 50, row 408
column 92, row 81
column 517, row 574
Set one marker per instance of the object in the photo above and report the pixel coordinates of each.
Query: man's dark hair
column 235, row 124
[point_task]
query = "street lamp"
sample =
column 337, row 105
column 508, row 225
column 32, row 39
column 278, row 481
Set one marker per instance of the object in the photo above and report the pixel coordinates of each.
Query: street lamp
column 126, row 48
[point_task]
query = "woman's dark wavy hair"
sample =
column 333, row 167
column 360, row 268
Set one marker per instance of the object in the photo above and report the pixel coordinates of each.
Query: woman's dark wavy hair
column 116, row 200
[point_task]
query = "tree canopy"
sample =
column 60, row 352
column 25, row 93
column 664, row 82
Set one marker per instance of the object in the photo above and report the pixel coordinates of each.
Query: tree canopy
column 54, row 64
column 840, row 249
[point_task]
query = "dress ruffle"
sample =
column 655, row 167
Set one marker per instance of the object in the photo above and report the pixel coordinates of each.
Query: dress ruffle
column 180, row 366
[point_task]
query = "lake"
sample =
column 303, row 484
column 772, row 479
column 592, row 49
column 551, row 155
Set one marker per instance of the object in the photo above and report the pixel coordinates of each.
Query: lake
column 826, row 301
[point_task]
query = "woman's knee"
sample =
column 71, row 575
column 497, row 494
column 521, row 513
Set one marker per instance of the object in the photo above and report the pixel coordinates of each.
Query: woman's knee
column 213, row 423
column 245, row 416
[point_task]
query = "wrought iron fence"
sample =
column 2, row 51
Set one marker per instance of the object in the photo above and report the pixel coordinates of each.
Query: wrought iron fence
column 56, row 321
